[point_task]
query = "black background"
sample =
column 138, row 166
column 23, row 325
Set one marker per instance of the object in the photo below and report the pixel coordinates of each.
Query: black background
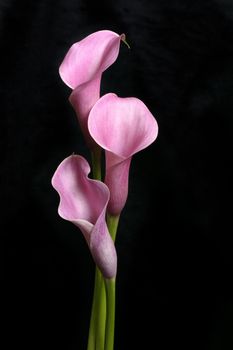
column 174, row 244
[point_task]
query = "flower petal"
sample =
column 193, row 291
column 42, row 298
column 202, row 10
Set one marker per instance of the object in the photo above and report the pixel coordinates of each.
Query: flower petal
column 122, row 126
column 103, row 249
column 77, row 191
column 117, row 179
column 82, row 100
column 83, row 201
column 89, row 57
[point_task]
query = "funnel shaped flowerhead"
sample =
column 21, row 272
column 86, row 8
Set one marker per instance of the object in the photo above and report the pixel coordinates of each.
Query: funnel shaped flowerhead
column 90, row 57
column 123, row 127
column 82, row 68
column 83, row 201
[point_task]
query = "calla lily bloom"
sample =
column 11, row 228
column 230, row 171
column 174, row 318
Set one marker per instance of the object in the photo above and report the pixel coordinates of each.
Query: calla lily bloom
column 83, row 201
column 123, row 127
column 82, row 68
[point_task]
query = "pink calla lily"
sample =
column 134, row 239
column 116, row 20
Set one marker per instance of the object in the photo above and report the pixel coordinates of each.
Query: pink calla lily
column 83, row 201
column 123, row 127
column 82, row 69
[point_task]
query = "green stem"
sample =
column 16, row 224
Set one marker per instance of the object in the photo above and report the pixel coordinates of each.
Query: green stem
column 92, row 333
column 110, row 285
column 96, row 337
column 96, row 163
column 112, row 222
column 100, row 312
column 98, row 315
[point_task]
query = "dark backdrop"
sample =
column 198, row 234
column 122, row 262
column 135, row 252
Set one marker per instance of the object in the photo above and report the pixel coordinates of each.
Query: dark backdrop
column 175, row 236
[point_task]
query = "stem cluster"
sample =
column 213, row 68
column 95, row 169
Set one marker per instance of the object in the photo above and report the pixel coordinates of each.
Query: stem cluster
column 102, row 323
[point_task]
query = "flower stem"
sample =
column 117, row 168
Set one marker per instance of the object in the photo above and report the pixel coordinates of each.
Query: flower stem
column 96, row 163
column 112, row 222
column 110, row 285
column 98, row 315
column 96, row 337
column 101, row 313
column 92, row 334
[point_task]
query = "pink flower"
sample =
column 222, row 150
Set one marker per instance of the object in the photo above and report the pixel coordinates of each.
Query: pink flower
column 83, row 201
column 123, row 127
column 82, row 69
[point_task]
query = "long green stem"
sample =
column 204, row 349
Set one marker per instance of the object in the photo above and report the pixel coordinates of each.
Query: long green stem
column 112, row 222
column 96, row 337
column 92, row 329
column 96, row 163
column 110, row 320
column 98, row 315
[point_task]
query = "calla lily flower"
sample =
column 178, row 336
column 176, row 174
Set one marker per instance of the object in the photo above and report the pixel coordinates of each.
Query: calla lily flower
column 82, row 69
column 123, row 127
column 83, row 202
